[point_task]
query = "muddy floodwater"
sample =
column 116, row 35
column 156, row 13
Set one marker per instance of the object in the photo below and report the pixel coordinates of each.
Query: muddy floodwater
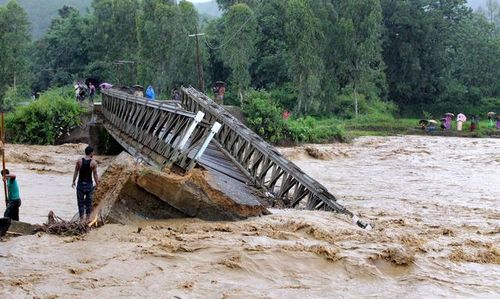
column 434, row 203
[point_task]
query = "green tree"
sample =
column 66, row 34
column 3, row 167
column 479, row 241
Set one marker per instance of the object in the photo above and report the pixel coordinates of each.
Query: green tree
column 14, row 43
column 473, row 62
column 269, row 69
column 163, row 39
column 239, row 45
column 62, row 55
column 115, row 37
column 186, row 70
column 354, row 53
column 415, row 47
column 226, row 4
column 304, row 38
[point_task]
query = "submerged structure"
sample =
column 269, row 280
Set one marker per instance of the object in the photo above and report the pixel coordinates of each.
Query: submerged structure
column 206, row 163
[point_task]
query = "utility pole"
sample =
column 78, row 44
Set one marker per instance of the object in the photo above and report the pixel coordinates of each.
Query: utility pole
column 201, row 82
column 118, row 63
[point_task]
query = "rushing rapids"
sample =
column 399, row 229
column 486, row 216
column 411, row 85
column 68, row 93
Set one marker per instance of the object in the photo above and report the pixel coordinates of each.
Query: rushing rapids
column 433, row 202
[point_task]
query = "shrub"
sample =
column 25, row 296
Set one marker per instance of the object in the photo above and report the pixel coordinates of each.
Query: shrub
column 264, row 116
column 11, row 99
column 312, row 130
column 44, row 120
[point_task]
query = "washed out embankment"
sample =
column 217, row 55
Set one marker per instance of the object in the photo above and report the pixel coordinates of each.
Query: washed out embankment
column 131, row 192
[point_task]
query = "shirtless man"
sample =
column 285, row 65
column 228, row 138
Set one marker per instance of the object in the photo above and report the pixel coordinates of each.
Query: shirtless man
column 85, row 168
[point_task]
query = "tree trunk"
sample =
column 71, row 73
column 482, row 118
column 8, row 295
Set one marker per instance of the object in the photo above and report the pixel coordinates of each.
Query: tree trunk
column 356, row 109
column 240, row 93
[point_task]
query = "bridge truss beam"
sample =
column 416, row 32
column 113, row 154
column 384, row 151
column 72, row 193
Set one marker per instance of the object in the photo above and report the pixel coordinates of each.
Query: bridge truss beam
column 284, row 182
column 161, row 133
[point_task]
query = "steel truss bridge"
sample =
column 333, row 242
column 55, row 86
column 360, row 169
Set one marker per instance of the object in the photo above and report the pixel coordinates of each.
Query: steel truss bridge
column 199, row 132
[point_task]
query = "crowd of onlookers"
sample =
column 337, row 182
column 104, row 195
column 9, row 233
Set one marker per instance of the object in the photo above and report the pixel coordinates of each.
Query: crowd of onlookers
column 431, row 125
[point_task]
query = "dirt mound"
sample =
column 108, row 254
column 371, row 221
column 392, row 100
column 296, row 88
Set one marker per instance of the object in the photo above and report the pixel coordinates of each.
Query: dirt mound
column 130, row 192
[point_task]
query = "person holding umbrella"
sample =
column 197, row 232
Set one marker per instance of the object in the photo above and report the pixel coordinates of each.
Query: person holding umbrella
column 461, row 118
column 105, row 85
column 491, row 116
column 447, row 120
column 431, row 127
column 474, row 122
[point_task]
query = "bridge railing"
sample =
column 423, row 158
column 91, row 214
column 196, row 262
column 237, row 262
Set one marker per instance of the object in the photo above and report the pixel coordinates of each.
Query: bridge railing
column 285, row 183
column 160, row 132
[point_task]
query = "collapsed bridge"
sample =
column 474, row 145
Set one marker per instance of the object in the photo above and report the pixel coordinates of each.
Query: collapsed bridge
column 197, row 132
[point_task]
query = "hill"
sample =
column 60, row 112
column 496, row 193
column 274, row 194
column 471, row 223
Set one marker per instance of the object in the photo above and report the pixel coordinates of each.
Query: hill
column 209, row 9
column 41, row 12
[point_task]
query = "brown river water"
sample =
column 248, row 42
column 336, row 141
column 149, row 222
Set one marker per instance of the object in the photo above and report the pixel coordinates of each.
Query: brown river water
column 433, row 202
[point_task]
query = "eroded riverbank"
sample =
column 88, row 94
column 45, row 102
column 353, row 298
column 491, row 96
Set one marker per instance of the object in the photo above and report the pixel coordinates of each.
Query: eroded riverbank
column 433, row 202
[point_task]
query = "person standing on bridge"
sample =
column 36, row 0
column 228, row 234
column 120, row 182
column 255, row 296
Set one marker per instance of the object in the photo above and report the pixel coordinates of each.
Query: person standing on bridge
column 85, row 168
column 150, row 93
column 13, row 198
column 91, row 92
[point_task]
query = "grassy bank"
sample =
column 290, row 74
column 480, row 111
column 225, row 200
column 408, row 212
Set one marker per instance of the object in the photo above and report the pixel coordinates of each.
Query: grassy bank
column 42, row 121
column 366, row 127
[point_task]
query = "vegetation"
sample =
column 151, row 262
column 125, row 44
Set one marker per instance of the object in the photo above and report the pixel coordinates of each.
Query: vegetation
column 265, row 117
column 44, row 120
column 328, row 62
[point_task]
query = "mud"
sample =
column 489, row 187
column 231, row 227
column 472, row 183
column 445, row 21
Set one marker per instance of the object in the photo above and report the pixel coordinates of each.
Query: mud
column 433, row 203
column 44, row 174
column 130, row 191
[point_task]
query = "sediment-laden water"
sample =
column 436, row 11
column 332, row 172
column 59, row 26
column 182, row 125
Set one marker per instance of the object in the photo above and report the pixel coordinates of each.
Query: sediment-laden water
column 434, row 203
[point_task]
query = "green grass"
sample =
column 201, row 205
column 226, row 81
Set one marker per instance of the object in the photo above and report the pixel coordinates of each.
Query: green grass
column 387, row 127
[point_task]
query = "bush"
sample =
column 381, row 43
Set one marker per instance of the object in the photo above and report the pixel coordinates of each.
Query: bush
column 313, row 130
column 12, row 98
column 264, row 116
column 44, row 120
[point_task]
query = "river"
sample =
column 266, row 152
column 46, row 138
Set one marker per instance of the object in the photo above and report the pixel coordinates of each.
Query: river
column 433, row 202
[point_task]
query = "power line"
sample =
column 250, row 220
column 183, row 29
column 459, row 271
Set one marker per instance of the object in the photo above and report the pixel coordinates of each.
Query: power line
column 235, row 33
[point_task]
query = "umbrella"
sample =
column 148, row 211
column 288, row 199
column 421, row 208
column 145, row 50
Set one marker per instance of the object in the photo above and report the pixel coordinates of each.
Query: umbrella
column 138, row 87
column 449, row 114
column 491, row 113
column 432, row 121
column 461, row 117
column 105, row 86
column 220, row 83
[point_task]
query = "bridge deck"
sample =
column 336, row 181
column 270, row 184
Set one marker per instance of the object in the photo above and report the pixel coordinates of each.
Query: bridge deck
column 213, row 159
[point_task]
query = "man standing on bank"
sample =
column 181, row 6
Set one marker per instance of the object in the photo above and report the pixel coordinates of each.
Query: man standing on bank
column 85, row 168
column 14, row 200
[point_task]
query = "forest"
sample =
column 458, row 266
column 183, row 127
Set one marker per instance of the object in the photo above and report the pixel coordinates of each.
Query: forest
column 322, row 59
